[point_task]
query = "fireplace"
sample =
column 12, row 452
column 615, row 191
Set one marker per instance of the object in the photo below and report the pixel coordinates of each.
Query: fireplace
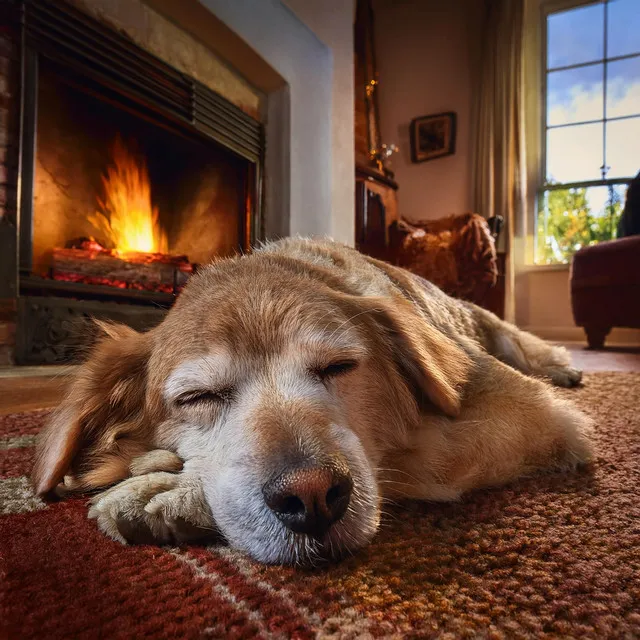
column 130, row 176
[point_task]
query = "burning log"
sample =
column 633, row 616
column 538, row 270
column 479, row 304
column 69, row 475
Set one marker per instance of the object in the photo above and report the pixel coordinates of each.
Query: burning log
column 133, row 270
column 129, row 221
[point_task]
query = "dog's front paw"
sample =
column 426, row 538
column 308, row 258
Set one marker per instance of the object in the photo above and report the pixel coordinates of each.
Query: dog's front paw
column 564, row 376
column 156, row 508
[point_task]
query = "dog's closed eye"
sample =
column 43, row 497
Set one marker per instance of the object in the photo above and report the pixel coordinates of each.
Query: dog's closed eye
column 204, row 396
column 334, row 369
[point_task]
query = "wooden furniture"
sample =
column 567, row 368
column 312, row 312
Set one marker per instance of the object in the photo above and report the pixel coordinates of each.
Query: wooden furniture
column 376, row 201
column 376, row 211
column 29, row 388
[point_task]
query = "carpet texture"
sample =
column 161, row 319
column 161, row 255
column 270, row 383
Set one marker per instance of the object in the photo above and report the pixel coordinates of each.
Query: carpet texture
column 552, row 556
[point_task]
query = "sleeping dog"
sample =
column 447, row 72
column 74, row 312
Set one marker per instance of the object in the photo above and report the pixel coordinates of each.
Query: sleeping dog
column 289, row 391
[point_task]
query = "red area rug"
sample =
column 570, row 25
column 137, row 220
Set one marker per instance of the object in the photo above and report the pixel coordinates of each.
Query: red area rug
column 553, row 556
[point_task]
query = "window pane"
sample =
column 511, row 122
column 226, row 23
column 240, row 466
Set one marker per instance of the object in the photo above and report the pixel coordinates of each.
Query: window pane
column 623, row 28
column 575, row 36
column 574, row 153
column 623, row 148
column 575, row 95
column 569, row 219
column 623, row 87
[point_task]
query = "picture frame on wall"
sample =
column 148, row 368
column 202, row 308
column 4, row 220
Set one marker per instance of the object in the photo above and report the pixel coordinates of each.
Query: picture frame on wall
column 433, row 136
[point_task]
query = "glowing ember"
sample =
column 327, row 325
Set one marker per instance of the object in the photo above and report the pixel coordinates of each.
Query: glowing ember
column 127, row 217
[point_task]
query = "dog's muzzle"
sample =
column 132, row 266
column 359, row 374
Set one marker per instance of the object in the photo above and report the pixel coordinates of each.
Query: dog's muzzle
column 310, row 498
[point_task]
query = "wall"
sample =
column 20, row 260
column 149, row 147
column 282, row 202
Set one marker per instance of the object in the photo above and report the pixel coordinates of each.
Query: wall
column 318, row 204
column 543, row 303
column 332, row 22
column 425, row 53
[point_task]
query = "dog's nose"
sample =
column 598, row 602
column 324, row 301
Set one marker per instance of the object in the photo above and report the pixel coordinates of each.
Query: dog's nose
column 310, row 499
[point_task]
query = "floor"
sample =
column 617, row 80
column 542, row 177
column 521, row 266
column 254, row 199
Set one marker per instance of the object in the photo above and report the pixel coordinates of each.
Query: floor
column 609, row 359
column 28, row 388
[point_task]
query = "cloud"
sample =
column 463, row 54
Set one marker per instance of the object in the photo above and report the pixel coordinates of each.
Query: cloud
column 576, row 153
column 582, row 102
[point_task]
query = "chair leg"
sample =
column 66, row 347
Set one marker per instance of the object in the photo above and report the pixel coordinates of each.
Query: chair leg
column 596, row 336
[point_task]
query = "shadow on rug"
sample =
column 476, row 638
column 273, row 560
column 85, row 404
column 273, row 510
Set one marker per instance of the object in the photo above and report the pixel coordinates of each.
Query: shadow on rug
column 556, row 555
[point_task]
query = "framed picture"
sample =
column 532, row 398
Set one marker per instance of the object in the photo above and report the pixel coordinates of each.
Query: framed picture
column 433, row 136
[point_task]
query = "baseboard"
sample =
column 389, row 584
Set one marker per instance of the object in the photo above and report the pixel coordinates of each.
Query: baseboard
column 618, row 337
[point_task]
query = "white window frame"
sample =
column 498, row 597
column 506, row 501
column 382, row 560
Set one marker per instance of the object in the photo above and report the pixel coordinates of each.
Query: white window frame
column 535, row 74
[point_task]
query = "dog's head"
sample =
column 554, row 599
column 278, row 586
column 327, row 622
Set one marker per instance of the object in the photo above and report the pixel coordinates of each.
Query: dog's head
column 279, row 387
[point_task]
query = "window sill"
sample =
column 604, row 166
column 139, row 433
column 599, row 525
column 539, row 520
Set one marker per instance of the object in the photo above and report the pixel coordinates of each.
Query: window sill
column 541, row 268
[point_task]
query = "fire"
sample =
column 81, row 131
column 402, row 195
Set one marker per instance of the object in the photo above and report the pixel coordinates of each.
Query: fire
column 126, row 214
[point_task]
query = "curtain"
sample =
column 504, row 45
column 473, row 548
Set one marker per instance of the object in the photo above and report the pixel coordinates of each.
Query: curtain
column 499, row 162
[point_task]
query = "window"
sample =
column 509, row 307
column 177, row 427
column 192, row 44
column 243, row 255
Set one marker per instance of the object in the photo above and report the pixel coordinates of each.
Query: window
column 591, row 146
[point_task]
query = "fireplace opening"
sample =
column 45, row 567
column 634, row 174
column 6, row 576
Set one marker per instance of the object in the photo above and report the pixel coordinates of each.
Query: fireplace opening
column 123, row 202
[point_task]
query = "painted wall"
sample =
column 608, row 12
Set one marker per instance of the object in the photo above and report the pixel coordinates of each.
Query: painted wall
column 332, row 22
column 426, row 51
column 319, row 143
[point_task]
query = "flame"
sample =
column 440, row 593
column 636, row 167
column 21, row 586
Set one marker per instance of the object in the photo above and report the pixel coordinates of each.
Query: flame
column 127, row 216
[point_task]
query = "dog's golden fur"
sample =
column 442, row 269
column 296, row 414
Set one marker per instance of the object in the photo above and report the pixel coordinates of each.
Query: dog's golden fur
column 441, row 397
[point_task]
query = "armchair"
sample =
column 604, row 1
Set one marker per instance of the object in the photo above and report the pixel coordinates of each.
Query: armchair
column 457, row 253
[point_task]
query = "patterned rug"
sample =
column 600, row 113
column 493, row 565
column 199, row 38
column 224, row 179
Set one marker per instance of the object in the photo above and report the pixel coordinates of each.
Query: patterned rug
column 557, row 555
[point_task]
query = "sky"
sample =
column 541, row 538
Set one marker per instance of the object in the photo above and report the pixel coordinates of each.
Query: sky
column 576, row 95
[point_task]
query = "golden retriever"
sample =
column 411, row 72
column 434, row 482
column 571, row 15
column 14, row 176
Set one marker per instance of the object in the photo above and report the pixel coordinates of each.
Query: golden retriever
column 288, row 392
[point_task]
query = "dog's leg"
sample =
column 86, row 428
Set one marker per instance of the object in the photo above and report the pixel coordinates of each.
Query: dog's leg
column 155, row 460
column 524, row 351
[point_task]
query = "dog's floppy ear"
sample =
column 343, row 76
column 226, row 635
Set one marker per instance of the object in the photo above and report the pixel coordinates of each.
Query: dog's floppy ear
column 430, row 361
column 100, row 426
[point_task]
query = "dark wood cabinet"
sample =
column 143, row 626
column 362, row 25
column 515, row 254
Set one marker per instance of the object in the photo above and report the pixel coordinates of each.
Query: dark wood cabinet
column 376, row 211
